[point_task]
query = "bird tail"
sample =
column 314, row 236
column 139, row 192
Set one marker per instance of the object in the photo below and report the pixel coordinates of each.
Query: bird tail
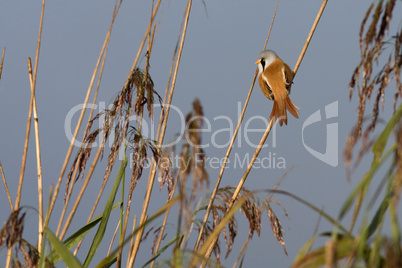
column 293, row 109
column 279, row 110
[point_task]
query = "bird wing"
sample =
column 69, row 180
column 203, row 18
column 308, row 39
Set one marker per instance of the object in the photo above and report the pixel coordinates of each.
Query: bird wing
column 273, row 75
column 288, row 77
column 265, row 88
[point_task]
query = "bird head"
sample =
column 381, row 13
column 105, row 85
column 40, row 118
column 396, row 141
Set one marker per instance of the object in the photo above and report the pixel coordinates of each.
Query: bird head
column 265, row 58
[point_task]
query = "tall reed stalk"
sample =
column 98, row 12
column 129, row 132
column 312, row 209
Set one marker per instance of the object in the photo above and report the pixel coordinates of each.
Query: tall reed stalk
column 267, row 131
column 160, row 138
column 229, row 150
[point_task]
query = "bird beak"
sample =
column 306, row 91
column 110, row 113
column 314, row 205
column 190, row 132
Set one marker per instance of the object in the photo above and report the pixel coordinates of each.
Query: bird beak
column 258, row 61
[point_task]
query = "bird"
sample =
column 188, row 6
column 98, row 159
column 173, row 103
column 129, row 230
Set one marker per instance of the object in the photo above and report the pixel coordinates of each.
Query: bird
column 275, row 79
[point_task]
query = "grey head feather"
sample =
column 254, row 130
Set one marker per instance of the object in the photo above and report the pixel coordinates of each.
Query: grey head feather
column 266, row 57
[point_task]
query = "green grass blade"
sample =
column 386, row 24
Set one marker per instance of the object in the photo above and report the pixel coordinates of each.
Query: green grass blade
column 363, row 237
column 42, row 257
column 378, row 160
column 103, row 262
column 106, row 261
column 379, row 216
column 68, row 258
column 364, row 183
column 71, row 241
column 106, row 213
column 305, row 248
column 110, row 260
column 218, row 229
column 177, row 238
column 381, row 142
column 316, row 209
column 316, row 258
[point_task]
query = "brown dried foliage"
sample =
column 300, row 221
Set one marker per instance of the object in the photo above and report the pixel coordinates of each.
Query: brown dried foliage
column 192, row 155
column 156, row 237
column 118, row 119
column 276, row 226
column 372, row 46
column 83, row 154
column 208, row 229
column 165, row 172
column 191, row 161
column 251, row 209
column 140, row 146
column 393, row 252
column 2, row 61
column 11, row 233
column 11, row 237
column 145, row 91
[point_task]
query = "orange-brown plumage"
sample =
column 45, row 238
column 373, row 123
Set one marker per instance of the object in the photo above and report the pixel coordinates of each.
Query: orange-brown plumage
column 275, row 80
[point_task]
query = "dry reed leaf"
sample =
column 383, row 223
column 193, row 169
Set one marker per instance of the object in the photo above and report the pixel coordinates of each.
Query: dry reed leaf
column 398, row 165
column 372, row 46
column 2, row 61
column 192, row 156
column 31, row 255
column 397, row 66
column 156, row 237
column 251, row 209
column 11, row 233
column 83, row 154
column 145, row 236
column 140, row 145
column 230, row 235
column 185, row 161
column 276, row 227
column 392, row 254
column 117, row 119
column 216, row 220
column 165, row 172
column 145, row 92
column 139, row 157
column 330, row 253
column 11, row 237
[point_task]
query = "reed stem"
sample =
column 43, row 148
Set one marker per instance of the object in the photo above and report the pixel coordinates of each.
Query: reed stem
column 162, row 134
column 229, row 150
column 267, row 131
